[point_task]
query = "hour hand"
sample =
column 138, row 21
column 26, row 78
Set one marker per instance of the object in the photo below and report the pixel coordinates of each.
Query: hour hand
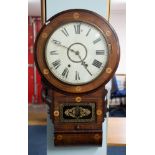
column 84, row 64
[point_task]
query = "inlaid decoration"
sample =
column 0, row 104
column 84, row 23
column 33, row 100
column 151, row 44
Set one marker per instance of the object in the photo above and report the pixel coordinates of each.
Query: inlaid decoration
column 82, row 112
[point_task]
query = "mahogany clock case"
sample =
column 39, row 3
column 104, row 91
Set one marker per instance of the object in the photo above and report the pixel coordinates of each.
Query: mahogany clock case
column 77, row 15
column 77, row 111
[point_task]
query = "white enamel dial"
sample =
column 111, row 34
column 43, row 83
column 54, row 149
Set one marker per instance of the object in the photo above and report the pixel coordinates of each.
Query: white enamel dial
column 76, row 53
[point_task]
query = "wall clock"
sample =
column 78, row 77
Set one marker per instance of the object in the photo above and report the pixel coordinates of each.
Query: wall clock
column 77, row 52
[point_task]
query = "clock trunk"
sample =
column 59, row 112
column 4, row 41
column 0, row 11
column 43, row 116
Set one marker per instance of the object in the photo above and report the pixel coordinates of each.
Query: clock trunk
column 77, row 118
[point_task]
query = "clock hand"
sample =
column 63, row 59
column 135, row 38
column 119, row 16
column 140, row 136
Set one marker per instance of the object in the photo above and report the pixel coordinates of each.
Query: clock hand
column 59, row 44
column 76, row 52
column 83, row 63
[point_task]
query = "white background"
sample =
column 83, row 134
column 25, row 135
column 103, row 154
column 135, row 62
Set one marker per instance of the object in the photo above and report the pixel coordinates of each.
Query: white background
column 140, row 77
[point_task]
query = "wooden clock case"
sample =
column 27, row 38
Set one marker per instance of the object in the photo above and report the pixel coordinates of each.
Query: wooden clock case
column 77, row 111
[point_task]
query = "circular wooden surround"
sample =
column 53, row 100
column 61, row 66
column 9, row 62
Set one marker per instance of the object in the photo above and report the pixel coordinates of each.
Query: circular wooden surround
column 74, row 16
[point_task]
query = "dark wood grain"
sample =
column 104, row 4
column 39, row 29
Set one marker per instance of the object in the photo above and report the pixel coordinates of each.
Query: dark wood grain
column 84, row 138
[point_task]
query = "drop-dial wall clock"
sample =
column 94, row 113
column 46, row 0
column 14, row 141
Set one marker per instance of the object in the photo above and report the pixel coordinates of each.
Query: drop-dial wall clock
column 77, row 53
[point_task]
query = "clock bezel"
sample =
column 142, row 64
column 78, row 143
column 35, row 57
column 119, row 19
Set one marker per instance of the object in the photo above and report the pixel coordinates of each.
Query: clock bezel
column 77, row 15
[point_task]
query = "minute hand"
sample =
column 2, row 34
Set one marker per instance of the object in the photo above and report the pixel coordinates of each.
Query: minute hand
column 59, row 44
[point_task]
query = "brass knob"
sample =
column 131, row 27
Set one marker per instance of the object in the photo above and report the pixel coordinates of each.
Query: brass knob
column 56, row 113
column 108, row 70
column 99, row 112
column 97, row 137
column 59, row 137
column 76, row 15
column 78, row 88
column 78, row 99
column 46, row 71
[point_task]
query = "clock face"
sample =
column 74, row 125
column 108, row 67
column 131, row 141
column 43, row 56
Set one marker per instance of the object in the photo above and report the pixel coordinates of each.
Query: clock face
column 76, row 53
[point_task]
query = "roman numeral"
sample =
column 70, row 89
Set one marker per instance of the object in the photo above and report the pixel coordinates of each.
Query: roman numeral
column 56, row 64
column 77, row 28
column 56, row 42
column 65, row 72
column 88, row 32
column 77, row 77
column 97, row 40
column 100, row 52
column 53, row 53
column 64, row 31
column 97, row 63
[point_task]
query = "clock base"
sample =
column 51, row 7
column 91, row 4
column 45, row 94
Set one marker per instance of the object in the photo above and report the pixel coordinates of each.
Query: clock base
column 78, row 138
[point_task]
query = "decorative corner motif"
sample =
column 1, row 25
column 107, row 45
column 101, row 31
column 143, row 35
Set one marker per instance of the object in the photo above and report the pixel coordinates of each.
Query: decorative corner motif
column 59, row 137
column 56, row 113
column 44, row 35
column 108, row 33
column 108, row 70
column 78, row 99
column 78, row 88
column 46, row 71
column 97, row 137
column 76, row 15
column 109, row 47
column 99, row 112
